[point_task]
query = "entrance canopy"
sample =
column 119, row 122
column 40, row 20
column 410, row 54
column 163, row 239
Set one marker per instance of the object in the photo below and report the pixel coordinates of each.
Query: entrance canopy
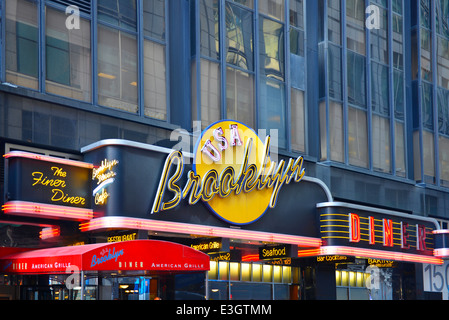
column 134, row 255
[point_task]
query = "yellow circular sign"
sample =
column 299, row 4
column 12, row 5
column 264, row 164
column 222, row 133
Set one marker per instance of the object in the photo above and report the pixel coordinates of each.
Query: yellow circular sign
column 231, row 159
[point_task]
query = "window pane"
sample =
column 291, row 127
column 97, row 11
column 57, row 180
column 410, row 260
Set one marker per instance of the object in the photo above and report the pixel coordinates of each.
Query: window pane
column 356, row 79
column 240, row 96
column 154, row 19
column 334, row 72
column 358, row 137
column 121, row 13
column 429, row 157
column 248, row 3
column 117, row 69
column 381, row 144
column 426, row 51
column 155, row 87
column 355, row 14
column 67, row 57
column 271, row 49
column 272, row 8
column 443, row 62
column 399, row 138
column 379, row 89
column 22, row 55
column 210, row 37
column 298, row 121
column 210, row 92
column 443, row 111
column 239, row 37
column 444, row 161
column 297, row 68
column 398, row 49
column 334, row 21
column 398, row 94
column 336, row 131
column 379, row 39
column 427, row 106
column 336, row 141
column 297, row 13
column 272, row 108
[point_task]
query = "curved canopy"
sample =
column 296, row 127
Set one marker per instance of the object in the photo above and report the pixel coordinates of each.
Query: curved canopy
column 129, row 255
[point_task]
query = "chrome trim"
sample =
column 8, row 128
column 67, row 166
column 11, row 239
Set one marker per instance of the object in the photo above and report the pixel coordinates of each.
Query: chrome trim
column 128, row 143
column 378, row 210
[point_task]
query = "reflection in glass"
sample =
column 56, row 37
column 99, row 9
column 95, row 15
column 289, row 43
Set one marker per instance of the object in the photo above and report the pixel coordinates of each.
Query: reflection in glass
column 271, row 49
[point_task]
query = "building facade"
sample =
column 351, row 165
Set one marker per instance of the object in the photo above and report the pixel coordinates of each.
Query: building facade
column 358, row 88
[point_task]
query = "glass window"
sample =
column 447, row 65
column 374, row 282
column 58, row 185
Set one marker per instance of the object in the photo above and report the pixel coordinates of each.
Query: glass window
column 444, row 160
column 209, row 21
column 210, row 92
column 120, row 13
column 272, row 8
column 239, row 37
column 240, row 96
column 154, row 19
column 443, row 62
column 398, row 55
column 443, row 111
column 429, row 157
column 427, row 106
column 426, row 54
column 68, row 57
column 381, row 144
column 22, row 47
column 398, row 94
column 379, row 89
column 334, row 21
column 117, row 69
column 379, row 39
column 356, row 79
column 334, row 72
column 248, row 3
column 271, row 48
column 297, row 67
column 272, row 108
column 355, row 14
column 399, row 139
column 154, row 80
column 358, row 137
column 298, row 140
column 336, row 138
column 442, row 17
column 297, row 13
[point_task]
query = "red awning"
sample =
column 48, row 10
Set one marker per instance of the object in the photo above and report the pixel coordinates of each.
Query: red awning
column 129, row 255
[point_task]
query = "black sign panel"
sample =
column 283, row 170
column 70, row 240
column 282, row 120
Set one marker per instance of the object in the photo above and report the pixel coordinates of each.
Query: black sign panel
column 276, row 252
column 56, row 183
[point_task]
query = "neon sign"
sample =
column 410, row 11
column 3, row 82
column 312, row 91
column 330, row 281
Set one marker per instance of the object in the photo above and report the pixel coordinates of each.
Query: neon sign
column 104, row 176
column 232, row 173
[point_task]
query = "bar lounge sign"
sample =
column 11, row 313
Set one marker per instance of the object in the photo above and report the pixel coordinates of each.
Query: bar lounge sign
column 232, row 174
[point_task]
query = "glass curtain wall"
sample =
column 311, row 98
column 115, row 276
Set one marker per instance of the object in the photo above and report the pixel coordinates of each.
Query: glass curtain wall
column 430, row 67
column 240, row 72
column 361, row 85
column 49, row 50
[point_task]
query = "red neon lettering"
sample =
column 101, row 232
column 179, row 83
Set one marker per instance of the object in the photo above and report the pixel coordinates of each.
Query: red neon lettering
column 404, row 236
column 420, row 237
column 372, row 237
column 354, row 227
column 388, row 233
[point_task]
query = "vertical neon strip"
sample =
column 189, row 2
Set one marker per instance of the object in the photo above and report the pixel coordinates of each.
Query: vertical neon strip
column 388, row 232
column 354, row 227
column 372, row 234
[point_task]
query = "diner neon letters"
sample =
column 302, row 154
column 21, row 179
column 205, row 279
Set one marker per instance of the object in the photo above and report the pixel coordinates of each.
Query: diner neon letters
column 57, row 183
column 248, row 177
column 388, row 232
